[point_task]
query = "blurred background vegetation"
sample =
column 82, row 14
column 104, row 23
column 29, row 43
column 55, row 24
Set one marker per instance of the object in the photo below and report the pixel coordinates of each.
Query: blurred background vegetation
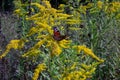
column 99, row 32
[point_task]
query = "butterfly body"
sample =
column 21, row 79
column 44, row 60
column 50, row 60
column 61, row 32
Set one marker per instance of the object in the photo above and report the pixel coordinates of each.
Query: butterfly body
column 57, row 36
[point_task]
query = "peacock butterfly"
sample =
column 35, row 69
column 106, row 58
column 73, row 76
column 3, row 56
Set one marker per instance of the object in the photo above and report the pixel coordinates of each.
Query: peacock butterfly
column 57, row 36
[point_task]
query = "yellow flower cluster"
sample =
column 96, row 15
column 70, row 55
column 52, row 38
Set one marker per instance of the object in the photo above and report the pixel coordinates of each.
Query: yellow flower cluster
column 99, row 4
column 47, row 15
column 45, row 19
column 34, row 51
column 56, row 49
column 75, row 72
column 42, row 20
column 20, row 11
column 38, row 70
column 83, row 9
column 112, row 7
column 56, row 46
column 15, row 44
column 118, row 16
column 87, row 51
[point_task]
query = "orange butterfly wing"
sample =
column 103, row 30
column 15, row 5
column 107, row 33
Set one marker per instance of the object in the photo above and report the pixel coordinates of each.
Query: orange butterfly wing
column 57, row 36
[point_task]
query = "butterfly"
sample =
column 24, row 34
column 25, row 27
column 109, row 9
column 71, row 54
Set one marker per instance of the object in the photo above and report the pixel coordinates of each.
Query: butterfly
column 57, row 36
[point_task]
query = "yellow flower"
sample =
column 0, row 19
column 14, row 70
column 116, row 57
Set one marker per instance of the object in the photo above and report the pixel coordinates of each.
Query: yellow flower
column 47, row 4
column 112, row 10
column 44, row 26
column 105, row 8
column 63, row 15
column 38, row 70
column 116, row 5
column 17, row 11
column 89, row 5
column 73, row 66
column 74, row 75
column 41, row 36
column 64, row 43
column 56, row 49
column 72, row 21
column 87, row 51
column 15, row 44
column 83, row 9
column 33, row 17
column 32, row 31
column 40, row 7
column 32, row 10
column 118, row 16
column 79, row 72
column 61, row 8
column 85, row 66
column 4, row 54
column 79, row 48
column 113, row 7
column 67, row 78
column 99, row 4
column 17, row 3
column 34, row 51
column 74, row 28
column 57, row 46
column 39, row 43
column 89, row 69
column 92, row 70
